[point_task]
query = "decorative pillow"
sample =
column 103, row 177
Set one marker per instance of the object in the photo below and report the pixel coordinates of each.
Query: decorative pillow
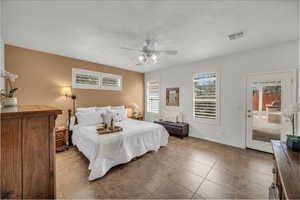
column 172, row 116
column 122, row 112
column 90, row 118
column 118, row 115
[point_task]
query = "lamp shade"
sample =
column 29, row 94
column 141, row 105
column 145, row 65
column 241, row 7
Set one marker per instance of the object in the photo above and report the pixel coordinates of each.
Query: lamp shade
column 134, row 107
column 67, row 91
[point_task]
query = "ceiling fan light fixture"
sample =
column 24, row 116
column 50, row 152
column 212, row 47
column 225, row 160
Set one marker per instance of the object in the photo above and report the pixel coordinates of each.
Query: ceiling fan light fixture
column 149, row 54
column 154, row 58
column 142, row 58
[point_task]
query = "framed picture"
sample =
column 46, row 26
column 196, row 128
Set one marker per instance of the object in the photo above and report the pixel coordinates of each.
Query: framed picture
column 172, row 96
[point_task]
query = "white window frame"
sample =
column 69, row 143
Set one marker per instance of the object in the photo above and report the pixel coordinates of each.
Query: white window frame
column 100, row 76
column 103, row 87
column 218, row 94
column 147, row 101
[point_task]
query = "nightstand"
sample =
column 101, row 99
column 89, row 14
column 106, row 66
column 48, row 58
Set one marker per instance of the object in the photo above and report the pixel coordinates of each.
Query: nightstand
column 140, row 117
column 61, row 139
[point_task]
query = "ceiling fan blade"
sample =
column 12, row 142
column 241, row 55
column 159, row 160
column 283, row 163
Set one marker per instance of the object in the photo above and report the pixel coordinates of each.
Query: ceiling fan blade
column 129, row 49
column 168, row 52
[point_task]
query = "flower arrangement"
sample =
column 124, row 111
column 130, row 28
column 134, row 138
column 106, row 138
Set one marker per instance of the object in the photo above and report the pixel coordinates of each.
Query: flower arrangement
column 289, row 115
column 11, row 90
column 293, row 141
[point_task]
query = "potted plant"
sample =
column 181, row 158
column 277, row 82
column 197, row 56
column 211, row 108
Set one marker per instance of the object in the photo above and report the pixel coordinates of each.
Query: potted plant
column 8, row 97
column 293, row 141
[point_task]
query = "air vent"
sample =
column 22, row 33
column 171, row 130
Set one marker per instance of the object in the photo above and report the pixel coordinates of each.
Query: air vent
column 235, row 36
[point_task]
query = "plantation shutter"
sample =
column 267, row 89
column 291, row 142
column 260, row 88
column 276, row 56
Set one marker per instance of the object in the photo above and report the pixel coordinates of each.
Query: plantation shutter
column 153, row 96
column 205, row 98
column 111, row 82
column 85, row 79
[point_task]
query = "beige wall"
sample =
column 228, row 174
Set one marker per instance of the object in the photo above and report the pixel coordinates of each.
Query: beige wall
column 42, row 76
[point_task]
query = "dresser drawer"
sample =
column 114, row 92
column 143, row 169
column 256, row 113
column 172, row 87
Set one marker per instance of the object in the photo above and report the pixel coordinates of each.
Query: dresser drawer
column 60, row 134
column 61, row 139
column 60, row 142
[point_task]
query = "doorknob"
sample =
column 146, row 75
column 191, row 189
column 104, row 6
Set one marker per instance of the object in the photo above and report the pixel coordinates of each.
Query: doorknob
column 249, row 116
column 249, row 110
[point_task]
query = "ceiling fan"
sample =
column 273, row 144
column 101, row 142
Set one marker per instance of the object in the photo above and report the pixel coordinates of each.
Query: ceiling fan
column 149, row 53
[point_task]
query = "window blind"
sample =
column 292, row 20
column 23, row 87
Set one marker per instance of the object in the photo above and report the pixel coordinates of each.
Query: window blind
column 85, row 79
column 205, row 96
column 153, row 96
column 111, row 81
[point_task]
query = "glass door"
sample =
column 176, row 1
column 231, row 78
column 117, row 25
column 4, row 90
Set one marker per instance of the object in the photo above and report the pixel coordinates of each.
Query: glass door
column 267, row 97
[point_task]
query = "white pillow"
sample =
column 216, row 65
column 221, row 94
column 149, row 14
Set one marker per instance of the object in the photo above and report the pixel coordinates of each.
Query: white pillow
column 118, row 107
column 85, row 109
column 103, row 108
column 90, row 118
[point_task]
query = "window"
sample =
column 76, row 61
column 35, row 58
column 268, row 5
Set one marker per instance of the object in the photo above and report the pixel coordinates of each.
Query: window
column 153, row 96
column 85, row 79
column 111, row 82
column 205, row 96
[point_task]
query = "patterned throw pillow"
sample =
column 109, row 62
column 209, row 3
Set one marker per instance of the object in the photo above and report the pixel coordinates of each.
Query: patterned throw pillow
column 118, row 115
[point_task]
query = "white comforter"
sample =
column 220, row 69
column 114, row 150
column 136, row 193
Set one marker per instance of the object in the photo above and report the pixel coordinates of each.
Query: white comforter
column 106, row 151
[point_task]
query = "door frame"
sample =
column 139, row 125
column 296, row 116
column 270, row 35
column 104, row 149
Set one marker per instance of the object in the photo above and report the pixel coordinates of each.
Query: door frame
column 294, row 96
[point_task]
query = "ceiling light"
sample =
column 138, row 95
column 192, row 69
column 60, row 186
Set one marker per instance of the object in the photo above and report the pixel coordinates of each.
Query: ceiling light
column 154, row 58
column 142, row 58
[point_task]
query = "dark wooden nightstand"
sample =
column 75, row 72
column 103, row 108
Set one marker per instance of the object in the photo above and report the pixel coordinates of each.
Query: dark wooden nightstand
column 141, row 117
column 61, row 139
column 179, row 129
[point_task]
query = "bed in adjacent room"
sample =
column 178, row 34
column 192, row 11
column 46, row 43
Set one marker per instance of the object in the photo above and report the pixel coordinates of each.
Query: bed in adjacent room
column 106, row 151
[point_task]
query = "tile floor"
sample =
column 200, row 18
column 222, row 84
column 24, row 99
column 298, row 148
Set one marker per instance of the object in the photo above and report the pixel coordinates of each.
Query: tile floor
column 186, row 169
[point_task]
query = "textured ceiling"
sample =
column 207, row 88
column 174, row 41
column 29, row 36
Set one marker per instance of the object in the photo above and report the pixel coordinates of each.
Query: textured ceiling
column 95, row 30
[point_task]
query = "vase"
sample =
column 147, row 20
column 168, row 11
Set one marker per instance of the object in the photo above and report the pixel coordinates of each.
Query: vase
column 293, row 142
column 10, row 102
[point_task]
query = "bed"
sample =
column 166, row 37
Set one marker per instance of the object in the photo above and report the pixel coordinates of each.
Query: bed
column 106, row 151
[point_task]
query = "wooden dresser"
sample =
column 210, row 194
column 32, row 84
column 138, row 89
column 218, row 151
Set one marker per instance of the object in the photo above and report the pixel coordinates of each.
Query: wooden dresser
column 179, row 129
column 27, row 150
column 286, row 183
column 61, row 139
